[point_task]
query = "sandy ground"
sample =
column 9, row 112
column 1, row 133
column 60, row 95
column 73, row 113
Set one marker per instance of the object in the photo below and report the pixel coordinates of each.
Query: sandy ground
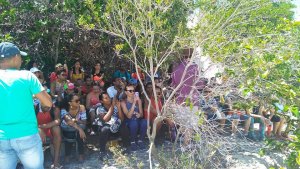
column 244, row 156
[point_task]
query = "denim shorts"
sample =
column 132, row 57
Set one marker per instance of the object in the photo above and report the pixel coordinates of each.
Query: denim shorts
column 28, row 149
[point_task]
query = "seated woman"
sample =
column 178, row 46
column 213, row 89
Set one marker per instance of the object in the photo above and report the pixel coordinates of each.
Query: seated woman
column 49, row 127
column 97, row 75
column 73, row 116
column 277, row 121
column 58, row 67
column 77, row 72
column 152, row 113
column 109, row 117
column 209, row 106
column 257, row 117
column 132, row 108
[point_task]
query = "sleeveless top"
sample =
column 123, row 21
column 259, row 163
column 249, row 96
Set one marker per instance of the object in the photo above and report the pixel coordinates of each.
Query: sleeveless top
column 75, row 76
column 136, row 109
column 81, row 115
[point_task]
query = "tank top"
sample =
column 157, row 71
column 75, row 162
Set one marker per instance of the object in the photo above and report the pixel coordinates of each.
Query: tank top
column 136, row 109
column 75, row 76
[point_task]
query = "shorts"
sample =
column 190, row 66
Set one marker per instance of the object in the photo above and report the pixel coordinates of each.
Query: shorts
column 44, row 118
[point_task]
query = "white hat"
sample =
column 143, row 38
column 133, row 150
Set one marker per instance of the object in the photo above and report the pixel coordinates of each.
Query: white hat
column 34, row 69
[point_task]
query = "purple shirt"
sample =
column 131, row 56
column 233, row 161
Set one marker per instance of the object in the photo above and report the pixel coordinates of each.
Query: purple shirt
column 192, row 75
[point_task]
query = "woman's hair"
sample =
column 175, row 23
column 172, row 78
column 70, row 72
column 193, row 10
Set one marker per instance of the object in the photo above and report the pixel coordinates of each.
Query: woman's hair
column 73, row 68
column 129, row 85
column 147, row 84
column 101, row 95
column 157, row 87
column 125, row 95
column 93, row 68
column 65, row 102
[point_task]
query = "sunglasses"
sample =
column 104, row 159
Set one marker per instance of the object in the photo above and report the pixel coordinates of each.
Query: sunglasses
column 131, row 91
column 76, row 101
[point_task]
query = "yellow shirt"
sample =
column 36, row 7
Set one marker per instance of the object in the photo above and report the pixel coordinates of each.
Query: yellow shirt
column 75, row 77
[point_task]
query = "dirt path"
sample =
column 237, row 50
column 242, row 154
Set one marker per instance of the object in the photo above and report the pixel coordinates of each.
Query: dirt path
column 244, row 156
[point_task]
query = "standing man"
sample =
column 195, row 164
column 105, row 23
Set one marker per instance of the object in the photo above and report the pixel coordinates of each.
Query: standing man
column 19, row 138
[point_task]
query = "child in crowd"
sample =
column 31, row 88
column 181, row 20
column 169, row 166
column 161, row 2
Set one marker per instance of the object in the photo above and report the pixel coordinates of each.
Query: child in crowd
column 49, row 126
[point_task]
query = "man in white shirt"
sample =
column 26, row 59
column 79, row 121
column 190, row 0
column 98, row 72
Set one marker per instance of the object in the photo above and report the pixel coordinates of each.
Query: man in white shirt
column 117, row 88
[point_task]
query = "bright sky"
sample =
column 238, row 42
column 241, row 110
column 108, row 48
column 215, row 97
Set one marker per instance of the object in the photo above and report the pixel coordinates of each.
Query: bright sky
column 297, row 10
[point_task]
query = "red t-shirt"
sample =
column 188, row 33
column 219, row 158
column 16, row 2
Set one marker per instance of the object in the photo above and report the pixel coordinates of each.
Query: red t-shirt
column 152, row 115
column 135, row 76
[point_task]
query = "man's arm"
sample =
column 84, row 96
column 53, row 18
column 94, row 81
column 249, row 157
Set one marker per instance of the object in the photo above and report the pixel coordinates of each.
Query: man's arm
column 45, row 98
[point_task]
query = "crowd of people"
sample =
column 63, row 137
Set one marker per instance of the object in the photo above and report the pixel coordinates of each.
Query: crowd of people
column 92, row 103
column 87, row 103
column 83, row 103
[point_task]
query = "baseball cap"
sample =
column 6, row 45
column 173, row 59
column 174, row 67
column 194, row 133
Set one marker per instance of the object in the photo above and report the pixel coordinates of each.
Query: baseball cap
column 71, row 86
column 8, row 49
column 34, row 69
column 58, row 65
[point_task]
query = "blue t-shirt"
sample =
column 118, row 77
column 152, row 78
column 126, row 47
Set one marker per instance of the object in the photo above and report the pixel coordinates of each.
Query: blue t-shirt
column 16, row 101
column 120, row 74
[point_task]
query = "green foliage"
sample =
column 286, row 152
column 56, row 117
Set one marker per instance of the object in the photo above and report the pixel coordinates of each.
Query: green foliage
column 256, row 41
column 48, row 31
column 145, row 29
column 293, row 160
column 258, row 44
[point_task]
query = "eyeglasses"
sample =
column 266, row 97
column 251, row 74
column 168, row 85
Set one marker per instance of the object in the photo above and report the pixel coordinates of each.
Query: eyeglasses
column 76, row 101
column 131, row 91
